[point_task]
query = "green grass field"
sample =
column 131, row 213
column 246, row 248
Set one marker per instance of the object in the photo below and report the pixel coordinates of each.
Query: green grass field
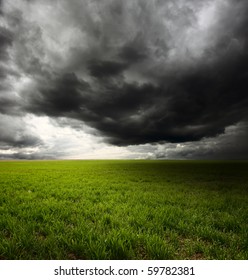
column 123, row 210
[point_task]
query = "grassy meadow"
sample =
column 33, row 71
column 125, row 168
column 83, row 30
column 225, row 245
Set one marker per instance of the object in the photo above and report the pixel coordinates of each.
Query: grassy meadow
column 120, row 209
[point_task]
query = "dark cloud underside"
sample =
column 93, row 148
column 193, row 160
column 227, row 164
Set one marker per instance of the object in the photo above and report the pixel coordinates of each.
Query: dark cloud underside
column 15, row 134
column 137, row 71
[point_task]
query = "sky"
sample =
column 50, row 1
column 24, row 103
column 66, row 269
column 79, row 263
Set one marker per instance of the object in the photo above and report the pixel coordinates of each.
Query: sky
column 135, row 79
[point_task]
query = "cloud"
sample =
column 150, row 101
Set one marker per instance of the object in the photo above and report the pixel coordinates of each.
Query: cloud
column 231, row 144
column 136, row 72
column 100, row 69
column 5, row 42
column 59, row 138
column 15, row 134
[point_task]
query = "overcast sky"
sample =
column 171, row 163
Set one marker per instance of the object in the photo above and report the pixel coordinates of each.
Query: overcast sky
column 124, row 79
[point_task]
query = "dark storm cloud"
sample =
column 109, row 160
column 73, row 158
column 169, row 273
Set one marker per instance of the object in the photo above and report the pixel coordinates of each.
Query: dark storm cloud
column 8, row 106
column 132, row 54
column 5, row 42
column 6, row 39
column 24, row 156
column 100, row 69
column 136, row 71
column 58, row 96
column 14, row 134
column 232, row 145
column 18, row 141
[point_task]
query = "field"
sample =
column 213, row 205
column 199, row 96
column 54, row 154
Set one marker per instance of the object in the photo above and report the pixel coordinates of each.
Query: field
column 123, row 209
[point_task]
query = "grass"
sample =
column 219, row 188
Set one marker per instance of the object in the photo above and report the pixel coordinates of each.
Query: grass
column 123, row 210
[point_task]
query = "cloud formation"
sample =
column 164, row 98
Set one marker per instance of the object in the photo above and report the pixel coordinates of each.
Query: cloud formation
column 136, row 71
column 16, row 134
